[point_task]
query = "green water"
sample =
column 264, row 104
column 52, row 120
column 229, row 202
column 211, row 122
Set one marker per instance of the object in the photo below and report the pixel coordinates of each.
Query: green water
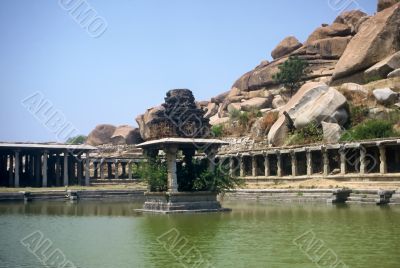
column 97, row 234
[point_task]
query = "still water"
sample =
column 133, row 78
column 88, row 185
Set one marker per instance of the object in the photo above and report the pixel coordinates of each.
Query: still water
column 110, row 234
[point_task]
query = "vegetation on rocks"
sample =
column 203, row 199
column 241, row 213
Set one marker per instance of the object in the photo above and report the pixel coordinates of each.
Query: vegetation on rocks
column 312, row 133
column 79, row 139
column 370, row 129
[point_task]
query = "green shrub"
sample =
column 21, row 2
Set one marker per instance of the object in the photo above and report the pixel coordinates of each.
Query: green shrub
column 244, row 119
column 155, row 174
column 234, row 114
column 358, row 114
column 217, row 181
column 312, row 133
column 371, row 129
column 80, row 139
column 217, row 130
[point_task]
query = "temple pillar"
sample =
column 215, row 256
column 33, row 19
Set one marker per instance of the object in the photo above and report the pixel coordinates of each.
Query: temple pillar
column 343, row 160
column 211, row 154
column 382, row 158
column 254, row 166
column 95, row 171
column 278, row 164
column 309, row 162
column 44, row 168
column 294, row 163
column 325, row 161
column 38, row 169
column 17, row 169
column 102, row 169
column 109, row 170
column 116, row 175
column 79, row 169
column 11, row 171
column 65, row 177
column 242, row 167
column 58, row 170
column 231, row 166
column 363, row 153
column 130, row 170
column 170, row 152
column 87, row 169
column 123, row 169
column 267, row 170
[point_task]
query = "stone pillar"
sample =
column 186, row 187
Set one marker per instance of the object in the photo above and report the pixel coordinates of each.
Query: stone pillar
column 342, row 152
column 95, row 167
column 382, row 158
column 294, row 163
column 38, row 170
column 17, row 169
column 170, row 152
column 211, row 153
column 309, row 162
column 44, row 169
column 363, row 153
column 65, row 177
column 102, row 169
column 11, row 171
column 116, row 169
column 87, row 170
column 279, row 164
column 231, row 166
column 58, row 170
column 325, row 160
column 266, row 165
column 130, row 170
column 123, row 169
column 254, row 166
column 79, row 169
column 109, row 170
column 242, row 167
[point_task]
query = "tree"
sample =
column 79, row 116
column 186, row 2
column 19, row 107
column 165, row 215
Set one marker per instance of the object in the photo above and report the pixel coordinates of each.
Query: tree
column 292, row 73
column 80, row 139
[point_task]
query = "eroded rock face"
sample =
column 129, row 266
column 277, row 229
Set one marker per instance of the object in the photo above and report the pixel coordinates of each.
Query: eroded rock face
column 332, row 132
column 384, row 4
column 314, row 102
column 352, row 19
column 101, row 135
column 377, row 38
column 126, row 135
column 177, row 117
column 286, row 46
column 395, row 73
column 385, row 96
column 334, row 30
column 384, row 67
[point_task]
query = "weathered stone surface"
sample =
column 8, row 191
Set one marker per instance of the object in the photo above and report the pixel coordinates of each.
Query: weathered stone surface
column 313, row 102
column 211, row 110
column 329, row 47
column 178, row 117
column 384, row 67
column 384, row 4
column 101, row 135
column 395, row 73
column 379, row 113
column 332, row 132
column 377, row 38
column 336, row 29
column 256, row 103
column 353, row 88
column 351, row 18
column 126, row 135
column 385, row 96
column 235, row 106
column 215, row 120
column 278, row 102
column 220, row 98
column 286, row 46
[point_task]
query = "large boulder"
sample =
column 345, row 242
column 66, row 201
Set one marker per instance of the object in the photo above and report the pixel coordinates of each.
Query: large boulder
column 353, row 88
column 314, row 102
column 377, row 38
column 126, row 135
column 352, row 19
column 286, row 46
column 150, row 117
column 335, row 29
column 395, row 73
column 211, row 110
column 384, row 4
column 332, row 132
column 256, row 103
column 101, row 135
column 385, row 96
column 384, row 67
column 328, row 48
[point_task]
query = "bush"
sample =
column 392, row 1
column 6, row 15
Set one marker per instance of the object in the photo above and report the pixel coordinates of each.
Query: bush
column 80, row 139
column 216, row 181
column 217, row 130
column 234, row 114
column 358, row 114
column 155, row 174
column 371, row 129
column 312, row 133
column 268, row 120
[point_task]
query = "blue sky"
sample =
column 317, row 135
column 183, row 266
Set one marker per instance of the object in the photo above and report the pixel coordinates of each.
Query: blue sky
column 148, row 48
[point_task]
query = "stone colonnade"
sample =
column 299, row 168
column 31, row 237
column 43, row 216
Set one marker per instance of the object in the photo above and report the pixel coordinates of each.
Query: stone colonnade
column 339, row 159
column 112, row 168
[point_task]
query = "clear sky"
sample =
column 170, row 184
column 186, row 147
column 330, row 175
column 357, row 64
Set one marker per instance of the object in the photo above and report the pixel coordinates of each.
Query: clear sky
column 148, row 48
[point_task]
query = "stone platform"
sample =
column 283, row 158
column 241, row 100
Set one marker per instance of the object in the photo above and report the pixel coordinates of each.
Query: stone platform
column 181, row 202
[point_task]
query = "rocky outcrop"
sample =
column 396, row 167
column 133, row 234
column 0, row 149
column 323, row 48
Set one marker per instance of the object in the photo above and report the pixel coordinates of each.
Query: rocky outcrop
column 126, row 135
column 314, row 102
column 179, row 116
column 101, row 135
column 256, row 103
column 377, row 38
column 385, row 96
column 328, row 48
column 285, row 47
column 395, row 73
column 353, row 19
column 353, row 88
column 334, row 30
column 384, row 67
column 384, row 4
column 332, row 132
